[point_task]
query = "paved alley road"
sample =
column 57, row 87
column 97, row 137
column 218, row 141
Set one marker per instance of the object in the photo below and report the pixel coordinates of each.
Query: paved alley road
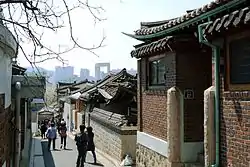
column 64, row 158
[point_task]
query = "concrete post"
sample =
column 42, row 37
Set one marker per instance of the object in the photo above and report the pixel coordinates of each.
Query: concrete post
column 174, row 102
column 209, row 128
column 18, row 124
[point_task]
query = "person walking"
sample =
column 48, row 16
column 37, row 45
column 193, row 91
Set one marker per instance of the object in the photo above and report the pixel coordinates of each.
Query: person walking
column 91, row 145
column 43, row 129
column 63, row 134
column 58, row 125
column 81, row 143
column 51, row 135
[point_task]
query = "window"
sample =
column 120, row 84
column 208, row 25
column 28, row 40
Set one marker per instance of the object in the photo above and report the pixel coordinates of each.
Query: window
column 157, row 72
column 238, row 74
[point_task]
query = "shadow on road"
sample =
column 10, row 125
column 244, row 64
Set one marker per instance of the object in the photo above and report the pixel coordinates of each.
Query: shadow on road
column 48, row 158
column 97, row 164
column 68, row 149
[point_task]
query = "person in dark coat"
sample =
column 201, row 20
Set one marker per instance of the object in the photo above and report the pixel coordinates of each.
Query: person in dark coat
column 81, row 143
column 43, row 129
column 91, row 145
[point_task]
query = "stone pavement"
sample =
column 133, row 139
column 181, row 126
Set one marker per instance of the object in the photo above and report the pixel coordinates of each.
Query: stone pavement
column 67, row 158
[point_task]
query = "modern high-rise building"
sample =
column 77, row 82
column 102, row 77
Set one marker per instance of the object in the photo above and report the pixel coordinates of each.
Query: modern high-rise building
column 63, row 73
column 131, row 71
column 84, row 73
column 101, row 74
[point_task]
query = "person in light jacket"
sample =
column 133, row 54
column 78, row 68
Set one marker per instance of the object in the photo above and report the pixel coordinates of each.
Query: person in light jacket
column 51, row 135
column 63, row 134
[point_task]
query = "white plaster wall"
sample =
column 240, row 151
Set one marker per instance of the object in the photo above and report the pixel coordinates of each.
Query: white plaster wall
column 74, row 118
column 4, row 165
column 67, row 114
column 157, row 145
column 79, row 120
column 34, row 127
column 5, row 76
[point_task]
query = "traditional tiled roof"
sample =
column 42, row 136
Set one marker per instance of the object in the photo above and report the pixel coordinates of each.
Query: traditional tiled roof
column 232, row 19
column 157, row 46
column 184, row 18
column 107, row 87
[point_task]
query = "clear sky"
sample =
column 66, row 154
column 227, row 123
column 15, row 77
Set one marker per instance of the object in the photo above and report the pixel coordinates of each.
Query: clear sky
column 122, row 16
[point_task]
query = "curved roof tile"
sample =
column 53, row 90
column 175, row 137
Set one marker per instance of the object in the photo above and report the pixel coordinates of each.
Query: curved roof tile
column 241, row 16
column 173, row 22
column 157, row 46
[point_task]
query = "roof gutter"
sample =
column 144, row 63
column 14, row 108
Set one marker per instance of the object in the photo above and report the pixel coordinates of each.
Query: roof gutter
column 216, row 55
column 189, row 22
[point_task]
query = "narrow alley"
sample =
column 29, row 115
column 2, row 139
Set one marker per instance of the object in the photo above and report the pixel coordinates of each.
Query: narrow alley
column 61, row 157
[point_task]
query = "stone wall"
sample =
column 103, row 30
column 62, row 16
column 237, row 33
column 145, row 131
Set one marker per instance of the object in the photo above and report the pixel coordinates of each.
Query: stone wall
column 113, row 140
column 146, row 157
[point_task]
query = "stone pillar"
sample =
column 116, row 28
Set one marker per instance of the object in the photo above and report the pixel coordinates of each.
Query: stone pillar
column 174, row 108
column 209, row 128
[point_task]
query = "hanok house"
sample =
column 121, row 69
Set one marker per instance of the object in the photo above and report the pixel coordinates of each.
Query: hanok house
column 229, row 34
column 8, row 51
column 111, row 111
column 178, row 53
column 29, row 87
column 67, row 95
column 77, row 110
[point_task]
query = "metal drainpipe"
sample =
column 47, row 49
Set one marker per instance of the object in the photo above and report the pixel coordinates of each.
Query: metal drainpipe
column 216, row 55
column 18, row 134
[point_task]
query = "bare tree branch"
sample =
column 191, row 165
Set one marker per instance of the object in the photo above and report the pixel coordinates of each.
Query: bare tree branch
column 29, row 19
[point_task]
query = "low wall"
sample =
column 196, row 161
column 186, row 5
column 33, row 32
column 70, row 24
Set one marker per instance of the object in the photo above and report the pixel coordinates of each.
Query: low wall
column 151, row 151
column 111, row 139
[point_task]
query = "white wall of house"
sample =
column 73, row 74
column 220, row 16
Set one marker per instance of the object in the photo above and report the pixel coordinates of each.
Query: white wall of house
column 67, row 114
column 8, row 48
column 4, row 165
column 5, row 76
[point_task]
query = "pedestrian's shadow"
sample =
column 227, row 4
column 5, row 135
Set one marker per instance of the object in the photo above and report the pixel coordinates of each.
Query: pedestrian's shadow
column 68, row 149
column 96, row 164
column 48, row 158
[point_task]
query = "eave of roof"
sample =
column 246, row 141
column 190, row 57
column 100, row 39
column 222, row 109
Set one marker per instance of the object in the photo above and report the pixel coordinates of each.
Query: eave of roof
column 157, row 46
column 17, row 67
column 230, row 20
column 186, row 20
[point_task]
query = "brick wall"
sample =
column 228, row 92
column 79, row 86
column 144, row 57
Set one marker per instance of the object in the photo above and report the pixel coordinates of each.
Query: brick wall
column 194, row 72
column 6, row 136
column 154, row 114
column 153, row 110
column 234, row 128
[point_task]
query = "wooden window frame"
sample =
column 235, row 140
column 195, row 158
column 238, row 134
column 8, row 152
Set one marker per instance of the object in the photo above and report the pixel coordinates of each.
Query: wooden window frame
column 149, row 60
column 230, row 86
